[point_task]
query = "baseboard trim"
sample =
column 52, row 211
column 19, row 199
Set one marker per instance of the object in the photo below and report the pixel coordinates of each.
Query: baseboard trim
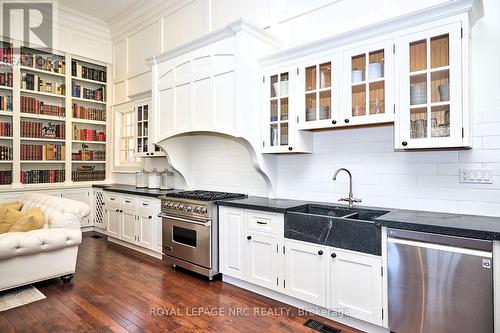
column 348, row 321
column 135, row 247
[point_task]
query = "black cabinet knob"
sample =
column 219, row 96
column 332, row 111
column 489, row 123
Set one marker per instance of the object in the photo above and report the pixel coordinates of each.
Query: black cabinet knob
column 333, row 255
column 150, row 217
column 249, row 237
column 117, row 210
column 320, row 252
column 404, row 143
column 346, row 120
column 290, row 148
column 121, row 211
column 334, row 122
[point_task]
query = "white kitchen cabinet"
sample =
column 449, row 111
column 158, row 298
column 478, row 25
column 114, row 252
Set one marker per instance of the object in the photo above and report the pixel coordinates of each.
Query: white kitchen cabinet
column 145, row 230
column 232, row 241
column 356, row 284
column 143, row 131
column 82, row 195
column 128, row 225
column 280, row 133
column 306, row 272
column 368, row 84
column 433, row 82
column 113, row 222
column 99, row 216
column 262, row 260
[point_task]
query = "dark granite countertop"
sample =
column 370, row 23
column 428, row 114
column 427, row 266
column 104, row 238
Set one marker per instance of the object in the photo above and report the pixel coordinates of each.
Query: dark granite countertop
column 263, row 204
column 131, row 189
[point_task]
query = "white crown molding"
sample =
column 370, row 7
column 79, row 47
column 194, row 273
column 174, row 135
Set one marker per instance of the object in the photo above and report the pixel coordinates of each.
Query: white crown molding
column 448, row 9
column 229, row 30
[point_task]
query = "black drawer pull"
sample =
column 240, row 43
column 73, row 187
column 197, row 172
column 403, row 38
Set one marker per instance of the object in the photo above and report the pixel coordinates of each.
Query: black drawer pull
column 346, row 121
column 404, row 143
column 334, row 122
column 249, row 237
column 117, row 210
column 320, row 252
column 127, row 201
column 150, row 217
column 333, row 255
column 260, row 222
column 121, row 211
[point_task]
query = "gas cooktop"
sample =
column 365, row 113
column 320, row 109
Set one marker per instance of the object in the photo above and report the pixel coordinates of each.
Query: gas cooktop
column 206, row 196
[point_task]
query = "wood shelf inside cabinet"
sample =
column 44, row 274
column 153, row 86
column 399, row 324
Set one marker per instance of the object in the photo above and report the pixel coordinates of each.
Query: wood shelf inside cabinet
column 6, row 113
column 43, row 139
column 5, row 138
column 42, row 162
column 36, row 70
column 41, row 93
column 91, row 142
column 5, row 162
column 88, row 162
column 88, row 81
column 88, row 121
column 88, row 100
column 42, row 117
column 6, row 88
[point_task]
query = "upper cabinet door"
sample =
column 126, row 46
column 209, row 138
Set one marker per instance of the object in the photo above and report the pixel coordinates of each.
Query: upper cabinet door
column 319, row 93
column 368, row 83
column 430, row 106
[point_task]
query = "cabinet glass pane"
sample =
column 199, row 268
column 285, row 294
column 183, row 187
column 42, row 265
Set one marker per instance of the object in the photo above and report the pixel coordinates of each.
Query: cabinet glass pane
column 325, row 75
column 440, row 86
column 284, row 134
column 358, row 64
column 376, row 65
column 139, row 113
column 283, row 84
column 145, row 145
column 274, row 86
column 139, row 145
column 273, row 135
column 145, row 112
column 418, row 89
column 311, row 107
column 440, row 121
column 418, row 123
column 440, row 51
column 284, row 109
column 418, row 55
column 377, row 94
column 358, row 100
column 274, row 110
column 310, row 78
column 145, row 128
column 325, row 102
column 139, row 129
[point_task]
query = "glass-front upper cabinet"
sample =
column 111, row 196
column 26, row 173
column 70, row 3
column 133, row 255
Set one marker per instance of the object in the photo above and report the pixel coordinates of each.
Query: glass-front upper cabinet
column 430, row 111
column 144, row 146
column 369, row 84
column 280, row 133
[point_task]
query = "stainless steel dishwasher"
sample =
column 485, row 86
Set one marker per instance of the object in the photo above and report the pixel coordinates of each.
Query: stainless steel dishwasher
column 439, row 283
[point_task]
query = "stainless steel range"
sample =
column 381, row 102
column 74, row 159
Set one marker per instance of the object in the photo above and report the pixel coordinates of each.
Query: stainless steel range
column 190, row 230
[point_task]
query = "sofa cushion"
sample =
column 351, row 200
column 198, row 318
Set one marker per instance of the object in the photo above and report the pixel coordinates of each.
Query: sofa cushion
column 14, row 244
column 24, row 221
column 4, row 225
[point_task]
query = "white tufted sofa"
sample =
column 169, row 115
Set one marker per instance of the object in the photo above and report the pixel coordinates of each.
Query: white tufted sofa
column 27, row 257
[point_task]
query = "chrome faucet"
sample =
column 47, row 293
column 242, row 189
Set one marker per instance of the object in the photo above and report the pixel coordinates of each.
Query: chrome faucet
column 350, row 200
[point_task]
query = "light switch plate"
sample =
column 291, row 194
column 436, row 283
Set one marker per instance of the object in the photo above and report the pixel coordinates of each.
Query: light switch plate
column 476, row 176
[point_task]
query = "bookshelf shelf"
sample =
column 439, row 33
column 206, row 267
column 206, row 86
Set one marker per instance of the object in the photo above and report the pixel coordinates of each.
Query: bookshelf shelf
column 6, row 88
column 88, row 162
column 43, row 162
column 6, row 113
column 87, row 121
column 36, row 70
column 88, row 100
column 42, row 117
column 43, row 139
column 41, row 93
column 91, row 142
column 6, row 162
column 5, row 138
column 88, row 81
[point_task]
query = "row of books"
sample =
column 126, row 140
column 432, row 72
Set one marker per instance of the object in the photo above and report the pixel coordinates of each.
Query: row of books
column 6, row 129
column 6, row 52
column 36, row 83
column 6, row 103
column 98, row 94
column 6, row 79
column 82, row 112
column 84, row 176
column 86, row 72
column 89, row 155
column 5, row 153
column 42, row 176
column 5, row 177
column 31, row 129
column 48, row 152
column 36, row 106
column 85, row 134
column 45, row 62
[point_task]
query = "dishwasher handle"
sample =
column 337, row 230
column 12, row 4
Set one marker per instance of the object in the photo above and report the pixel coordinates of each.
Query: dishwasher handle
column 440, row 247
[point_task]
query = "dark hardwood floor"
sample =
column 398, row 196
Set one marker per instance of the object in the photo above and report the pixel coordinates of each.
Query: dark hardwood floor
column 119, row 290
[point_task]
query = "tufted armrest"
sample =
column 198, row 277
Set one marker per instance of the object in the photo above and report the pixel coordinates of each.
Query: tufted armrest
column 14, row 244
column 58, row 212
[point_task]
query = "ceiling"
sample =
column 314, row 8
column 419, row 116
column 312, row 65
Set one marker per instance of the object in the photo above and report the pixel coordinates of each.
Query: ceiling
column 103, row 10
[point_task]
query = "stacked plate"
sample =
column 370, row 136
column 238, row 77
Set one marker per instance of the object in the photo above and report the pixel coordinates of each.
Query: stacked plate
column 418, row 93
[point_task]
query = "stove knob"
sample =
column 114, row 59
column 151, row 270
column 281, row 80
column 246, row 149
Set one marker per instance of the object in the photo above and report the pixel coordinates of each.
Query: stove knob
column 181, row 207
column 175, row 206
column 204, row 210
column 188, row 209
column 197, row 210
column 168, row 205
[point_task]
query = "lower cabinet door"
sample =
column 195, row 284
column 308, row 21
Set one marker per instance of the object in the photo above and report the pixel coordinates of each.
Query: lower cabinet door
column 356, row 284
column 305, row 272
column 128, row 226
column 232, row 241
column 262, row 260
column 113, row 222
column 145, row 230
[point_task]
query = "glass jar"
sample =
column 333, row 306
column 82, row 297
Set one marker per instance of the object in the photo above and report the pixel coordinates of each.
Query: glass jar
column 141, row 179
column 167, row 180
column 154, row 179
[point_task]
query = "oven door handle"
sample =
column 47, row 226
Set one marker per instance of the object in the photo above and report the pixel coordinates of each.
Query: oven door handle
column 206, row 224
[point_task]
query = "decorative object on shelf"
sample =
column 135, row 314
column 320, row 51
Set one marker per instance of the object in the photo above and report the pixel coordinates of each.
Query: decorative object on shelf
column 444, row 92
column 418, row 93
column 274, row 136
column 377, row 106
column 141, row 179
column 375, row 70
column 154, row 179
column 281, row 88
column 49, row 131
column 86, row 168
column 356, row 75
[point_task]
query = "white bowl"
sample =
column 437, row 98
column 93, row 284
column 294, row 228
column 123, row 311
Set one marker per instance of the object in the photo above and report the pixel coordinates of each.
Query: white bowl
column 375, row 70
column 356, row 75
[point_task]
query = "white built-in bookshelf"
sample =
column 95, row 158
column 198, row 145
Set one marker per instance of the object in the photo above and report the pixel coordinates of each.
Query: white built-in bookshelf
column 53, row 118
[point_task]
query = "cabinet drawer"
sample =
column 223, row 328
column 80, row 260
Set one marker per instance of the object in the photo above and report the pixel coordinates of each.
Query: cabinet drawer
column 270, row 223
column 128, row 202
column 111, row 199
column 145, row 204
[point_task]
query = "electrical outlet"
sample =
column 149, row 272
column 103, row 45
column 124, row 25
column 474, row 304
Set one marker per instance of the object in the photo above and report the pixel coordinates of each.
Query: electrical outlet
column 476, row 176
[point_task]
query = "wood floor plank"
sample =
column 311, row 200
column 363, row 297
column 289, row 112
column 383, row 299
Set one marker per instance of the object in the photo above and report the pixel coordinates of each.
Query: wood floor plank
column 116, row 289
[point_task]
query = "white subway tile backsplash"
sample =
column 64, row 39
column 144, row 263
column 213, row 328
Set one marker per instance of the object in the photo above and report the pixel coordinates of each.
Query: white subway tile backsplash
column 491, row 142
column 479, row 208
column 462, row 194
column 438, row 181
column 491, row 196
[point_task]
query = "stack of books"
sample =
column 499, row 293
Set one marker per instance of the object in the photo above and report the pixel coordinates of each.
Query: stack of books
column 98, row 94
column 5, row 129
column 36, row 83
column 6, row 79
column 44, row 62
column 49, row 152
column 85, row 134
column 5, row 177
column 6, row 53
column 84, row 176
column 42, row 176
column 82, row 112
column 86, row 72
column 35, row 106
column 31, row 129
column 5, row 153
column 89, row 155
column 6, row 103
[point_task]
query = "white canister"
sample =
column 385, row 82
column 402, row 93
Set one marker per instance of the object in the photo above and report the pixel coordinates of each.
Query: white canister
column 375, row 70
column 154, row 179
column 356, row 75
column 141, row 179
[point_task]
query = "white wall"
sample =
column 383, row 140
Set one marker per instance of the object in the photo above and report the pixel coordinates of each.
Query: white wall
column 382, row 177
